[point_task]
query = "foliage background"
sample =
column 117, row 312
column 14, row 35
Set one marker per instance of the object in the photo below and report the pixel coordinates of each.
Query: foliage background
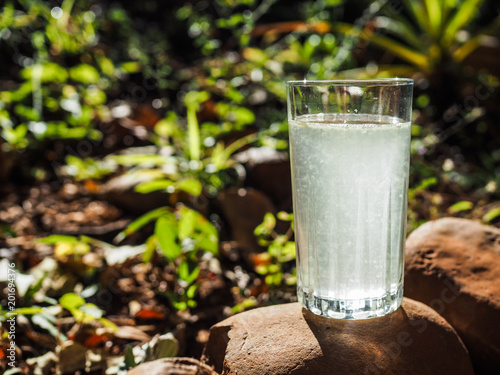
column 170, row 95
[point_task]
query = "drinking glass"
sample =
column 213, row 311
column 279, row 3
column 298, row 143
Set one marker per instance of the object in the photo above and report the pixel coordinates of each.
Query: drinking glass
column 349, row 154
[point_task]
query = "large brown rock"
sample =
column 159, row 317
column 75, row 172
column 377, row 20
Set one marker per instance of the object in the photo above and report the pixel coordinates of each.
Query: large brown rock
column 286, row 339
column 453, row 265
column 172, row 366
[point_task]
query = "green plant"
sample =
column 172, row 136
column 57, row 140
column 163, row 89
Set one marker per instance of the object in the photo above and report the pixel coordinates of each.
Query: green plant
column 82, row 311
column 66, row 72
column 51, row 100
column 430, row 37
column 87, row 168
column 47, row 317
column 182, row 235
column 191, row 159
column 277, row 265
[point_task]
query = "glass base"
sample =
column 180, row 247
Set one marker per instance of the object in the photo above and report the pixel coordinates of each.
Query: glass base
column 348, row 308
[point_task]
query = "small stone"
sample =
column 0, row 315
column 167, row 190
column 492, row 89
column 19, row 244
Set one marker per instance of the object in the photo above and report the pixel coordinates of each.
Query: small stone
column 121, row 192
column 173, row 366
column 265, row 166
column 244, row 210
column 453, row 265
column 287, row 339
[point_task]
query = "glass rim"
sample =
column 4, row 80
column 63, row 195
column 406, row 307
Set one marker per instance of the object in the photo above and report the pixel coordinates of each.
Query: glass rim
column 352, row 82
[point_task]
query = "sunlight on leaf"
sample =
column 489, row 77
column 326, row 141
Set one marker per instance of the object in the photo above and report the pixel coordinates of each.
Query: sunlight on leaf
column 190, row 185
column 166, row 233
column 71, row 301
column 460, row 206
column 84, row 73
column 491, row 215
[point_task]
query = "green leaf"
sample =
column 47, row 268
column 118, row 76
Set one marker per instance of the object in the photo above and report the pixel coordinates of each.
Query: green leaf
column 168, row 127
column 247, row 303
column 139, row 160
column 150, row 186
column 288, row 252
column 7, row 16
column 166, row 234
column 460, row 206
column 190, row 185
column 105, row 64
column 46, row 72
column 16, row 136
column 471, row 45
column 232, row 21
column 255, row 55
column 58, row 238
column 188, row 272
column 151, row 244
column 187, row 222
column 193, row 99
column 142, row 221
column 208, row 243
column 418, row 12
column 191, row 292
column 413, row 57
column 203, row 225
column 433, row 8
column 467, row 10
column 108, row 323
column 129, row 358
column 84, row 73
column 428, row 182
column 180, row 305
column 491, row 214
column 71, row 301
column 130, row 67
column 27, row 113
column 94, row 97
column 285, row 216
column 238, row 115
column 416, row 58
column 25, row 311
column 267, row 225
column 402, row 29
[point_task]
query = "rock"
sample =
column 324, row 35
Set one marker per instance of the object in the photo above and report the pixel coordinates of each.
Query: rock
column 121, row 192
column 244, row 209
column 6, row 161
column 453, row 265
column 268, row 170
column 287, row 339
column 172, row 366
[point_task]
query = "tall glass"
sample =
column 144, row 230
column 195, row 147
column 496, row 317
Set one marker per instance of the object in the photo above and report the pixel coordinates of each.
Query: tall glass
column 350, row 151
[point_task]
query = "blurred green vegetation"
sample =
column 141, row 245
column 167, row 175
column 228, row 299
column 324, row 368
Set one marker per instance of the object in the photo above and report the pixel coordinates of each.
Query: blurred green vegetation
column 211, row 75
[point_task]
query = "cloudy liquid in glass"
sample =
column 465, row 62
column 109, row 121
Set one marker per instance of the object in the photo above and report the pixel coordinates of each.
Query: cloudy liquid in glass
column 350, row 183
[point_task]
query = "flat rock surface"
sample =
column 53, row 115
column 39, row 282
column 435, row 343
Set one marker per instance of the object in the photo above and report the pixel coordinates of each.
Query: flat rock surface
column 453, row 265
column 287, row 339
column 172, row 366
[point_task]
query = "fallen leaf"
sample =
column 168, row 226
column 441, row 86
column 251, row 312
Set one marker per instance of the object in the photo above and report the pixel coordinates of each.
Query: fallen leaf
column 131, row 333
column 91, row 186
column 94, row 340
column 149, row 314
